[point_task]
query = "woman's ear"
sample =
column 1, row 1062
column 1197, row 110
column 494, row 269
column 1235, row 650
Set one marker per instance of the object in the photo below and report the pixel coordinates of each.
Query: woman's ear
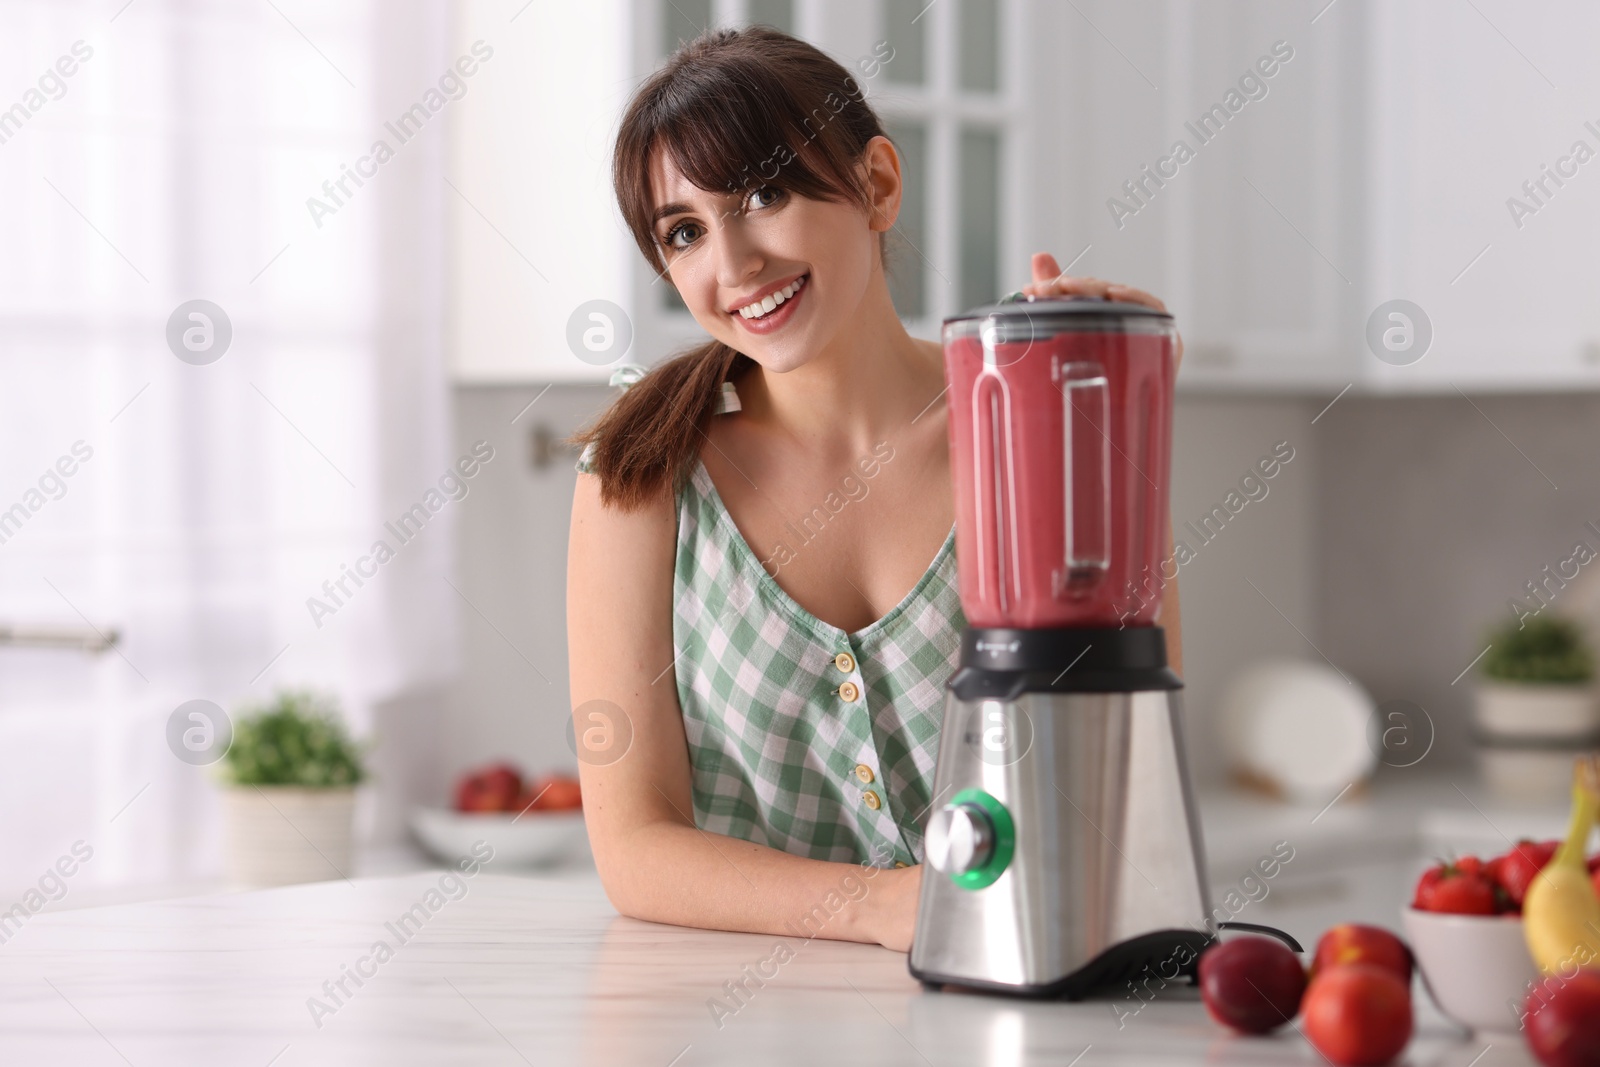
column 884, row 182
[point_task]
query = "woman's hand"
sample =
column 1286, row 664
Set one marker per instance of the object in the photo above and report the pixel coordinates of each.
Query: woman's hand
column 893, row 895
column 1049, row 280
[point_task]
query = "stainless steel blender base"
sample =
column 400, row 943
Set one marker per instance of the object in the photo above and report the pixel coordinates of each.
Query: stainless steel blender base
column 1105, row 874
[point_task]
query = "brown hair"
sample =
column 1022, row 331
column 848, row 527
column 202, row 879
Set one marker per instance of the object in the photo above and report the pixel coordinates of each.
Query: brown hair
column 736, row 110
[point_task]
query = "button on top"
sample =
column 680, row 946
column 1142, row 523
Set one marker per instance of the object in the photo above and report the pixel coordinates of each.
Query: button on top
column 845, row 662
column 863, row 772
column 848, row 692
column 871, row 800
column 900, row 863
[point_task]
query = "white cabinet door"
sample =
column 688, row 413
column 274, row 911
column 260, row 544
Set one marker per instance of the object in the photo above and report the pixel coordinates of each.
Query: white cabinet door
column 535, row 233
column 1101, row 112
column 1261, row 235
column 1439, row 153
column 1199, row 158
column 1472, row 111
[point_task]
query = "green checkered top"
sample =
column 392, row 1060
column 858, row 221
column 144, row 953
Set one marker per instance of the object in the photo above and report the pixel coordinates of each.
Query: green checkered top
column 779, row 755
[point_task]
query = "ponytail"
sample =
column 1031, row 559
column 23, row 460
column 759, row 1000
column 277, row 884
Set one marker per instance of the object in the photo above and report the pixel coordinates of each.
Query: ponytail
column 647, row 441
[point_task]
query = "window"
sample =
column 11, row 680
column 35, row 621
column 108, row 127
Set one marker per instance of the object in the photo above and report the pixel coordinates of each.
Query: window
column 907, row 33
column 980, row 216
column 903, row 251
column 979, row 54
column 682, row 20
column 779, row 14
column 949, row 100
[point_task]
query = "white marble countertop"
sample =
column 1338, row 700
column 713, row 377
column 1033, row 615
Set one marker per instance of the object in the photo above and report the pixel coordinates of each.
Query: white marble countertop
column 543, row 971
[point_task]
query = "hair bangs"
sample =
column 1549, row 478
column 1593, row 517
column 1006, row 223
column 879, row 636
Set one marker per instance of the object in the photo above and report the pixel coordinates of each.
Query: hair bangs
column 731, row 127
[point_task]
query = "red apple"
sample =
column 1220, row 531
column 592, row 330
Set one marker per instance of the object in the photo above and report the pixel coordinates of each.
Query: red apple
column 555, row 792
column 1252, row 984
column 1563, row 1020
column 1355, row 943
column 1357, row 1014
column 491, row 788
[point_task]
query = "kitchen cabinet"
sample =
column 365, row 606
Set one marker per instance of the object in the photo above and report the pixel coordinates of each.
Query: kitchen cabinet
column 1337, row 157
column 534, row 233
column 1373, row 165
column 1201, row 149
column 1470, row 111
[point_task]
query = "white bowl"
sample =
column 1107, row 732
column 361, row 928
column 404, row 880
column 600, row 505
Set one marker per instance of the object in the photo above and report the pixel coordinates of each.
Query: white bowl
column 533, row 838
column 1477, row 968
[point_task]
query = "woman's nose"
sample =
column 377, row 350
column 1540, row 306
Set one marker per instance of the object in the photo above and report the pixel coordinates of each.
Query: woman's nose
column 738, row 258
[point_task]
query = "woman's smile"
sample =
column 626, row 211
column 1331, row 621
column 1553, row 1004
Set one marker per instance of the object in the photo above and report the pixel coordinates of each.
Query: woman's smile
column 769, row 309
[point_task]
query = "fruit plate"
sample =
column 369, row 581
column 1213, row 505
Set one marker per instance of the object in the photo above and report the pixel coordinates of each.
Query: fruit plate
column 1477, row 968
column 535, row 838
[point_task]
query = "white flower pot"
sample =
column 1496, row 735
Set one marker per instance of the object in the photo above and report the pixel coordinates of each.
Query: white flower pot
column 1524, row 711
column 281, row 835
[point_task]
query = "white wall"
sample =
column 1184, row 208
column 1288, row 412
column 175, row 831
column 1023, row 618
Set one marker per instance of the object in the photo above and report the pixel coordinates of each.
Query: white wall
column 1271, row 542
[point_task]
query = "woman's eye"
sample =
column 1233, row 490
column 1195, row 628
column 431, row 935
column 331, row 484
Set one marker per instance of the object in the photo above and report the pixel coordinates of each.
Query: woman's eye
column 671, row 240
column 769, row 191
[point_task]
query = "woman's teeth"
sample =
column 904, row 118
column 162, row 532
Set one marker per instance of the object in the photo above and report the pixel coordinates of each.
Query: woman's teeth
column 764, row 306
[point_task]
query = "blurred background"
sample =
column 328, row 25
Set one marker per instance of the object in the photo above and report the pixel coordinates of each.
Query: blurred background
column 277, row 275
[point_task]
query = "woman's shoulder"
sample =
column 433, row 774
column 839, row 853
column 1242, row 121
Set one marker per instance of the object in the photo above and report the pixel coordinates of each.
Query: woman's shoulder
column 624, row 554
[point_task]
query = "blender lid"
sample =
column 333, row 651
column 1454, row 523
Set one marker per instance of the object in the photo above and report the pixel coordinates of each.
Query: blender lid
column 1084, row 309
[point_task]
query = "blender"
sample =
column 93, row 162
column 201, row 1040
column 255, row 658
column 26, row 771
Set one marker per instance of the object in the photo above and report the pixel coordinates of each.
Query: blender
column 1063, row 852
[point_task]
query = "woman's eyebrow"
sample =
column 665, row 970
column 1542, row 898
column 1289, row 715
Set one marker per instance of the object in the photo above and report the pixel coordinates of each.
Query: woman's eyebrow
column 670, row 209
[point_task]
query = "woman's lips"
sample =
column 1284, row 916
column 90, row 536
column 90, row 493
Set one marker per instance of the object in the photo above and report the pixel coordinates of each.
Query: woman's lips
column 778, row 316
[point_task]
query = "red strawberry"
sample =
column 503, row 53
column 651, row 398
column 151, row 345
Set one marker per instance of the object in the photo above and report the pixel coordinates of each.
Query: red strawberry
column 1456, row 891
column 1519, row 865
column 1425, row 885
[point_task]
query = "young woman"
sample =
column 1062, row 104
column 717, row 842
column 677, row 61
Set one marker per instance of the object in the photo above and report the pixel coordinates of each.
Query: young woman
column 750, row 597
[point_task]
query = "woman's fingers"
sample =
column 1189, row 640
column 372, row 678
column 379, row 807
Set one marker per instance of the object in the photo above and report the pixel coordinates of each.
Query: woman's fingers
column 1065, row 286
column 1049, row 280
column 1136, row 296
column 1045, row 267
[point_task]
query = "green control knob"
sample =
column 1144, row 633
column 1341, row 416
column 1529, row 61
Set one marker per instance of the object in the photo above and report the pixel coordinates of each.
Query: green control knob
column 971, row 839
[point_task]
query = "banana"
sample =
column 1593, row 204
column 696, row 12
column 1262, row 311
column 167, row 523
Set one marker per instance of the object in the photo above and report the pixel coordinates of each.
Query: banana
column 1561, row 913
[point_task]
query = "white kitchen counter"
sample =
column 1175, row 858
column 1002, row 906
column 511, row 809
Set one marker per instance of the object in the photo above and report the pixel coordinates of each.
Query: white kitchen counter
column 543, row 971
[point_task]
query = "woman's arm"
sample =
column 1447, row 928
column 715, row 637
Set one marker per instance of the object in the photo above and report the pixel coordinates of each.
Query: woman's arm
column 654, row 862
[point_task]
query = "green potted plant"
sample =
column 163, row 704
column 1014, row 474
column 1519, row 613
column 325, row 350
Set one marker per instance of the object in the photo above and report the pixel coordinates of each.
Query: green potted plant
column 1537, row 683
column 291, row 774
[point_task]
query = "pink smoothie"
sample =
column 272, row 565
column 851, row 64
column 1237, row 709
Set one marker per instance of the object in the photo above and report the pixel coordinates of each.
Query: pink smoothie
column 1060, row 452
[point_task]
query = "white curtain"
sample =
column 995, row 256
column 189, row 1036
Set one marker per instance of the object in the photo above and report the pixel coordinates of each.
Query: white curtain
column 207, row 502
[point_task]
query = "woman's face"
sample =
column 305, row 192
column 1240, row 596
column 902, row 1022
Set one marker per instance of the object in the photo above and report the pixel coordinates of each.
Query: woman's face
column 728, row 251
